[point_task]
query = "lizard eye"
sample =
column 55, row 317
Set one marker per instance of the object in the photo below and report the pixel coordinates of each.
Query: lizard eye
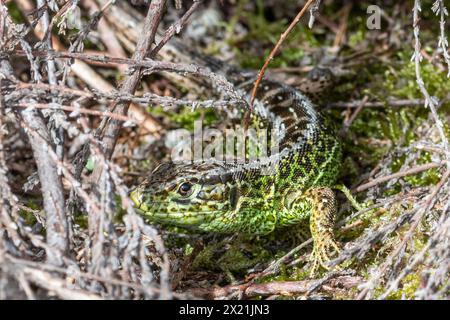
column 185, row 189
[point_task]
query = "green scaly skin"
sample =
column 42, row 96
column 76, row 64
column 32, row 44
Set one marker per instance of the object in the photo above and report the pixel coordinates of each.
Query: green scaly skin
column 215, row 196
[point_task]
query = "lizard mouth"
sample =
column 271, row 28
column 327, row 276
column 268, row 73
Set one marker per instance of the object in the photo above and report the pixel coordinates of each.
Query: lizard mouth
column 137, row 197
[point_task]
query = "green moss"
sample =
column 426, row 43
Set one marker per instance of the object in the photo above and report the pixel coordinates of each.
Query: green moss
column 357, row 37
column 28, row 216
column 408, row 287
column 266, row 33
column 188, row 249
column 377, row 130
column 81, row 220
column 15, row 13
column 425, row 178
column 401, row 81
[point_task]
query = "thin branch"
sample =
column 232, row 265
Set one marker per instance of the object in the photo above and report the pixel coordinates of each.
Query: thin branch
column 380, row 104
column 110, row 130
column 440, row 9
column 276, row 48
column 52, row 190
column 399, row 174
column 175, row 28
column 430, row 101
column 249, row 290
column 75, row 110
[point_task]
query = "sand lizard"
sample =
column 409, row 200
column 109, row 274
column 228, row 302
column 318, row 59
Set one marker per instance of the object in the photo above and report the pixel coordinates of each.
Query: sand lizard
column 215, row 196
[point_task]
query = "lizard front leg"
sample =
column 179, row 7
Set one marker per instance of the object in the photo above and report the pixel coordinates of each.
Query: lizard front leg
column 322, row 219
column 319, row 205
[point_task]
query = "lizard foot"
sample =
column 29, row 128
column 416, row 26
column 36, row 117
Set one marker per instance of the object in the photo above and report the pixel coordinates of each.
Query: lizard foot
column 321, row 254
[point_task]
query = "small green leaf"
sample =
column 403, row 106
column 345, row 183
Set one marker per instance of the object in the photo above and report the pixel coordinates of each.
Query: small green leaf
column 90, row 165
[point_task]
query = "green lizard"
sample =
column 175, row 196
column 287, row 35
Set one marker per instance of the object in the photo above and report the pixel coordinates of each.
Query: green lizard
column 216, row 196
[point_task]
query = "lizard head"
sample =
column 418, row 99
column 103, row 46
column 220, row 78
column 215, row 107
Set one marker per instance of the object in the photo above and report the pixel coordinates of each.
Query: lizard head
column 187, row 195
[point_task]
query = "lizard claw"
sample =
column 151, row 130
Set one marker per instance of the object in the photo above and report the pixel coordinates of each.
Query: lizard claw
column 321, row 253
